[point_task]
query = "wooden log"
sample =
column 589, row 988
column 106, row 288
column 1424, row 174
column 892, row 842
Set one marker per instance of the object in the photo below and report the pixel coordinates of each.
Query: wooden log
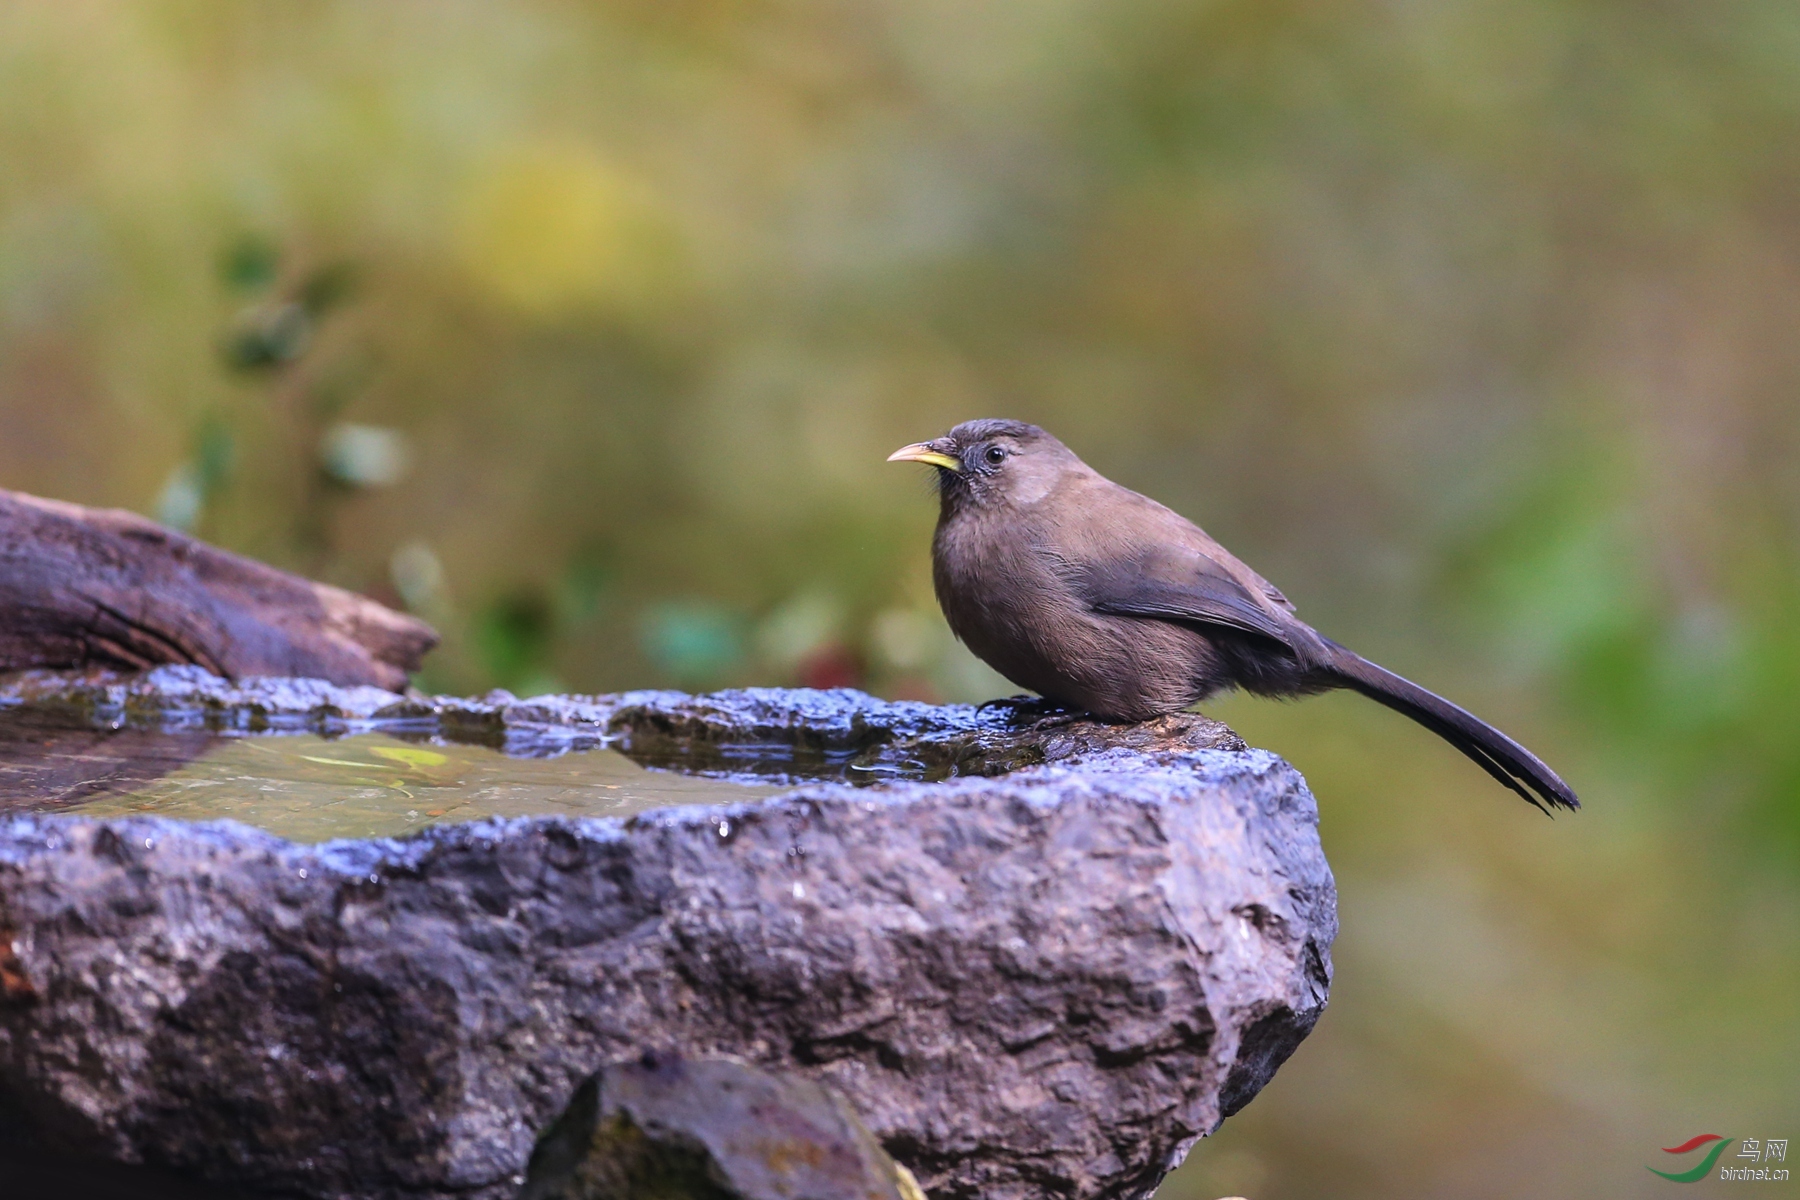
column 103, row 587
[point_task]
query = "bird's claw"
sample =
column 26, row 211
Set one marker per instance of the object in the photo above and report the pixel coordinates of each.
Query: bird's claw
column 1055, row 719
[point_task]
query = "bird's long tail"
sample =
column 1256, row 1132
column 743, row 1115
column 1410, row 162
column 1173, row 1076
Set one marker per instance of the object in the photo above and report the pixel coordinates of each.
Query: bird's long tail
column 1497, row 754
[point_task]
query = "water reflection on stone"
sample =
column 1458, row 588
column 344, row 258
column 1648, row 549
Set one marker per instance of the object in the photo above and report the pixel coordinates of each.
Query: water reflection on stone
column 48, row 768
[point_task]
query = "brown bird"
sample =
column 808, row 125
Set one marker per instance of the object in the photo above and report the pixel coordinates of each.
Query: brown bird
column 1103, row 600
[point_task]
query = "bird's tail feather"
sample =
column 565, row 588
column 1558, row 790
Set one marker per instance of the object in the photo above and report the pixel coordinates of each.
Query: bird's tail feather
column 1497, row 754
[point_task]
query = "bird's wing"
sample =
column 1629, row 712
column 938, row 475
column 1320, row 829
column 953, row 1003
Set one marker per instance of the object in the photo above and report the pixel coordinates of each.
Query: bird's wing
column 1126, row 555
column 1178, row 583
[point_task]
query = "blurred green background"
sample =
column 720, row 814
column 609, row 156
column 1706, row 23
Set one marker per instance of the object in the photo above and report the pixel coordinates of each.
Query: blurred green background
column 583, row 330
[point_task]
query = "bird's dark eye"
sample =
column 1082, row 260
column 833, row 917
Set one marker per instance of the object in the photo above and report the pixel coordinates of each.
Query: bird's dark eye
column 995, row 455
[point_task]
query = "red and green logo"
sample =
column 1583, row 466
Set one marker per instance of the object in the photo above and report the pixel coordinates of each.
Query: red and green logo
column 1706, row 1164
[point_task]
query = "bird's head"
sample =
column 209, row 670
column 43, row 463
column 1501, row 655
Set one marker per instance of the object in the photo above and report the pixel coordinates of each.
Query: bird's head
column 992, row 463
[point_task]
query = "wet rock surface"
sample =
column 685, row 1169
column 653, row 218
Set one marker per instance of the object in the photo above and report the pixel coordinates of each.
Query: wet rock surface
column 774, row 731
column 1040, row 983
column 710, row 1130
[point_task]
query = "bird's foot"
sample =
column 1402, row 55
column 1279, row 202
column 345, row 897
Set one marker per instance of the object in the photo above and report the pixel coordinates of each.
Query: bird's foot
column 1056, row 719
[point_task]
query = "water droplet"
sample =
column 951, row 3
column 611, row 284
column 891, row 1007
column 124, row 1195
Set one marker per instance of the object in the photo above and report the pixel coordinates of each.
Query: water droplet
column 374, row 878
column 724, row 829
column 303, row 872
column 149, row 843
column 799, row 890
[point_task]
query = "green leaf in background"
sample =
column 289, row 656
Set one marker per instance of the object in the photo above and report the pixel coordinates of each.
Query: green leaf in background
column 250, row 264
column 514, row 635
column 695, row 642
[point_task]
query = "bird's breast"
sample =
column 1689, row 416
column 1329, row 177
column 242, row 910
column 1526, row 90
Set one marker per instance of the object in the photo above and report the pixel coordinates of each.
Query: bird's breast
column 1013, row 602
column 994, row 590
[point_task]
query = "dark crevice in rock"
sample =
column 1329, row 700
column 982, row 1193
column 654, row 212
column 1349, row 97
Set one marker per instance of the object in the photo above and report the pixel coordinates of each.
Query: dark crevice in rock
column 670, row 1129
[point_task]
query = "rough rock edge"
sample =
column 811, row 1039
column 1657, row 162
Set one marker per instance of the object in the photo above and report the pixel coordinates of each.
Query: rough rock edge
column 841, row 726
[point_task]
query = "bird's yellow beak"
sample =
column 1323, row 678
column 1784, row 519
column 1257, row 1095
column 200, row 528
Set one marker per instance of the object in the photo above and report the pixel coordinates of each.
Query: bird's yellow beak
column 925, row 452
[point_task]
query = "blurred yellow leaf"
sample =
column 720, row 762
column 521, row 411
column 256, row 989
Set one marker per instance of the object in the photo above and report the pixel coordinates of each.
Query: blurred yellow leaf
column 411, row 756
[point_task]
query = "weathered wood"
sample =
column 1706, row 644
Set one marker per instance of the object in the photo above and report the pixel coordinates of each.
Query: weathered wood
column 86, row 586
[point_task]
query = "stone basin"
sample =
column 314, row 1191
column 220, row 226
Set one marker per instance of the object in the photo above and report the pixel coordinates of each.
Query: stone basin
column 1039, row 956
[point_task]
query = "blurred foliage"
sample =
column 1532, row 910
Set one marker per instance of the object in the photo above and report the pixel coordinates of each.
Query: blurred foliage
column 582, row 329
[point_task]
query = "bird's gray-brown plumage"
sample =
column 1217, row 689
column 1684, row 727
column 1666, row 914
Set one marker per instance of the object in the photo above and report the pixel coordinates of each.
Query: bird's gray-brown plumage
column 1101, row 599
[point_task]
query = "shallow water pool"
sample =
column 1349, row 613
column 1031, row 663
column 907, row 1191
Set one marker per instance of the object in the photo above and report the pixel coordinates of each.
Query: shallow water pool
column 311, row 789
